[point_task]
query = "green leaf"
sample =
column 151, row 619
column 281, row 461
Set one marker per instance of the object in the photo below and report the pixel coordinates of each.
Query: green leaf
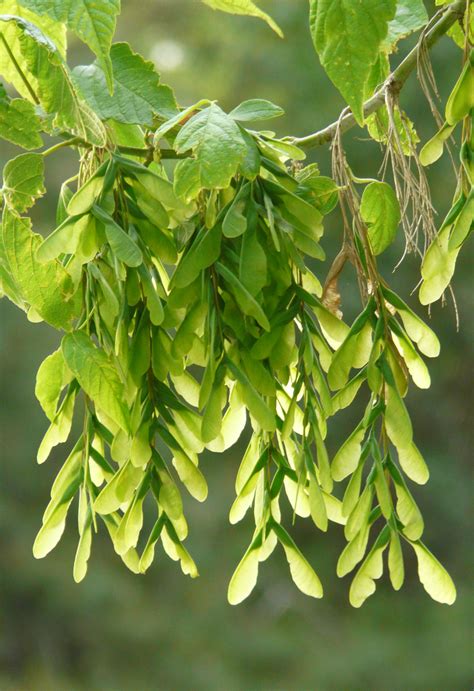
column 19, row 123
column 120, row 242
column 137, row 96
column 23, row 181
column 49, row 78
column 380, row 209
column 51, row 378
column 256, row 109
column 383, row 128
column 245, row 300
column 348, row 37
column 46, row 287
column 217, row 145
column 97, row 375
column 54, row 30
column 93, row 21
column 410, row 16
column 246, row 7
column 435, row 579
column 302, row 573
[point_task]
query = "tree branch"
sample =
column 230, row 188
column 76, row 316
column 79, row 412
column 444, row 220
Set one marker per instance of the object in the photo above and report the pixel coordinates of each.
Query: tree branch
column 395, row 81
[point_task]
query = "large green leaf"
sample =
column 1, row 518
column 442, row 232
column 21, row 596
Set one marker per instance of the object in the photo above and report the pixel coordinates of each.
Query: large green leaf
column 23, row 181
column 217, row 145
column 49, row 78
column 380, row 209
column 46, row 287
column 256, row 109
column 410, row 16
column 347, row 36
column 97, row 375
column 19, row 122
column 93, row 21
column 138, row 94
column 54, row 30
column 246, row 7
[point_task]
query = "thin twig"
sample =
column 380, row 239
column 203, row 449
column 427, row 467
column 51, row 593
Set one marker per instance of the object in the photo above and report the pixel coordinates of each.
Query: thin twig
column 395, row 81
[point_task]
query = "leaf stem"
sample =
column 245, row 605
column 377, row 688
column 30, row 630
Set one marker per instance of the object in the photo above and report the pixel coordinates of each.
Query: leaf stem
column 394, row 82
column 164, row 153
column 21, row 74
column 68, row 142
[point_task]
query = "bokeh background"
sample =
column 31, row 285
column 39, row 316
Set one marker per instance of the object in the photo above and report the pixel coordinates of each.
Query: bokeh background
column 163, row 631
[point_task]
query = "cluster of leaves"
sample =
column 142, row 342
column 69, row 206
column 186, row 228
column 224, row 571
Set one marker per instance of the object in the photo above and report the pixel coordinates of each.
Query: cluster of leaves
column 180, row 275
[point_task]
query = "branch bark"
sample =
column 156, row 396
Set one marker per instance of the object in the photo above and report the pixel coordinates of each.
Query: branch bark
column 395, row 81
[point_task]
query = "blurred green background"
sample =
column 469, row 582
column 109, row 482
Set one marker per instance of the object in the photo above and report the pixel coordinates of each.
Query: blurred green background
column 163, row 631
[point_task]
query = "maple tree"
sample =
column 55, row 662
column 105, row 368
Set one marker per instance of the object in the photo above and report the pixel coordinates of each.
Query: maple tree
column 188, row 275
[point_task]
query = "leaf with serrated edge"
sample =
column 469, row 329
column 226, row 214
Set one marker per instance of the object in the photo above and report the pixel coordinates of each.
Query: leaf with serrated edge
column 19, row 123
column 217, row 145
column 46, row 287
column 92, row 21
column 23, row 181
column 245, row 7
column 49, row 77
column 138, row 95
column 347, row 37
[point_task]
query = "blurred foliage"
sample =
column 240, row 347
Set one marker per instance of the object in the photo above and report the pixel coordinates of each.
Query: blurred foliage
column 163, row 631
